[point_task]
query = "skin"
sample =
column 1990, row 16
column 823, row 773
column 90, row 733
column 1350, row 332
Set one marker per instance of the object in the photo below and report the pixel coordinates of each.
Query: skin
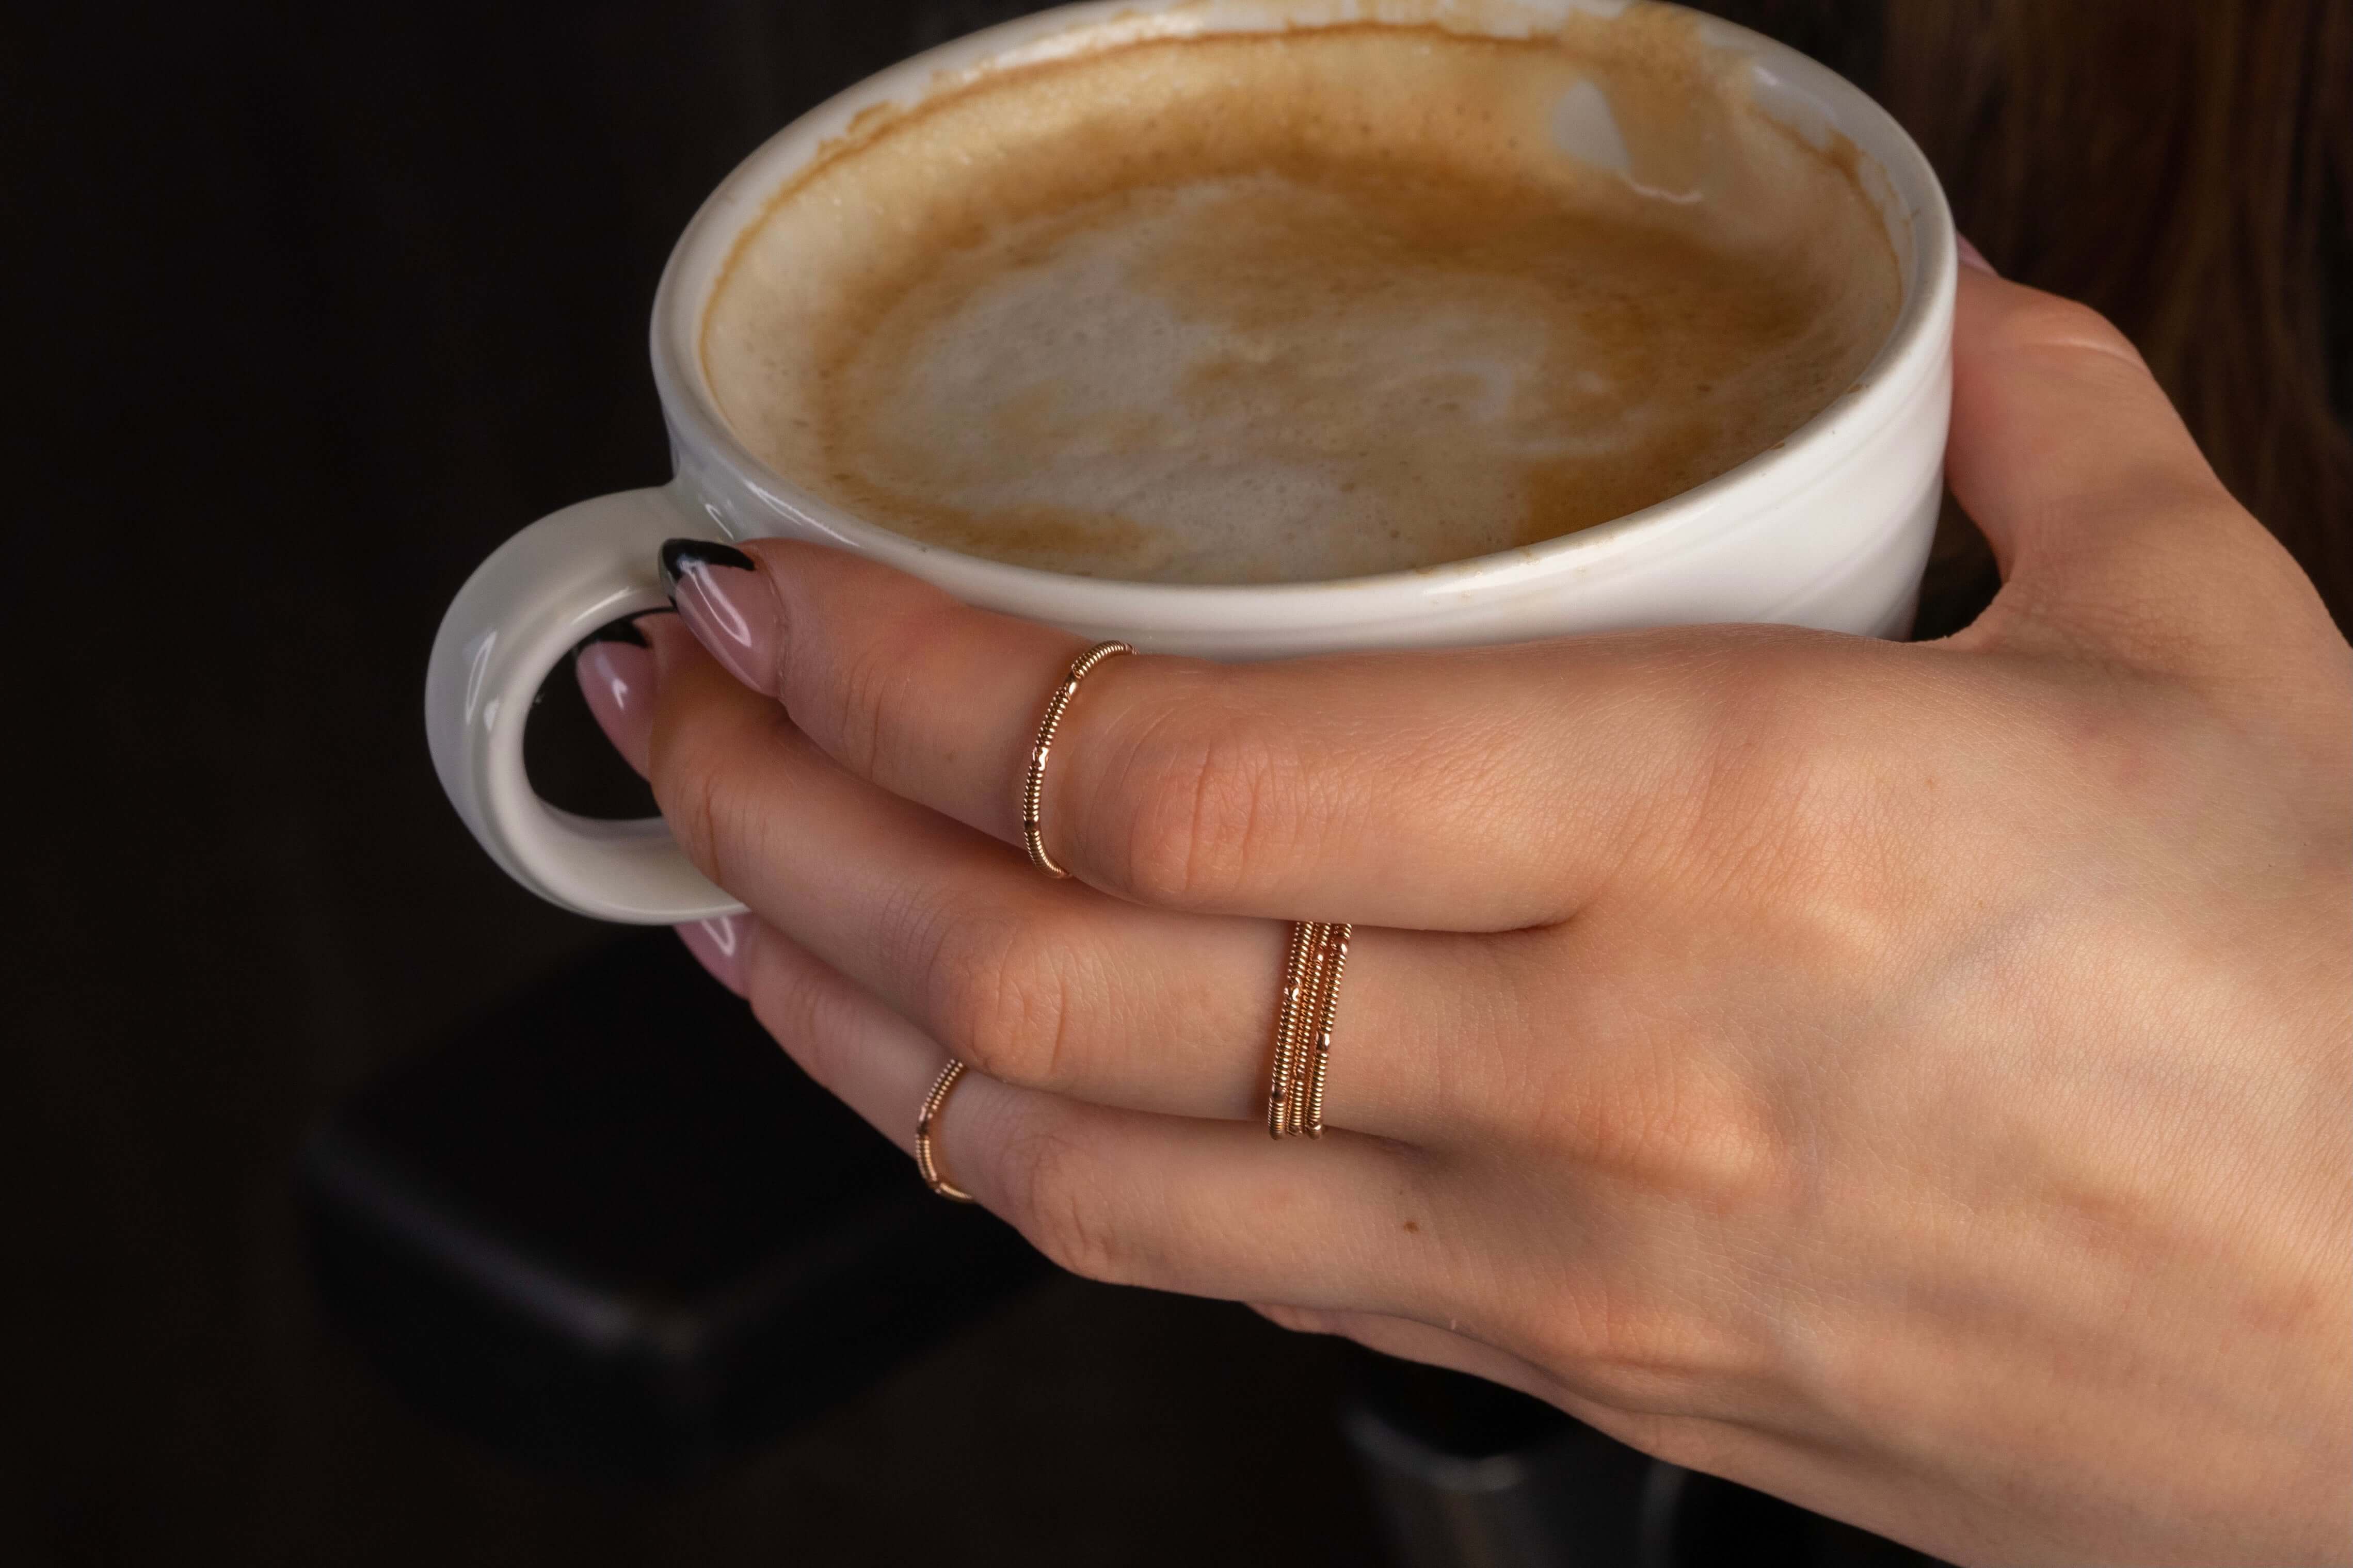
column 1915, row 1080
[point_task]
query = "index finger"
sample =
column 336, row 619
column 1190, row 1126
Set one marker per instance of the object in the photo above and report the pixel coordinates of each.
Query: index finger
column 1470, row 789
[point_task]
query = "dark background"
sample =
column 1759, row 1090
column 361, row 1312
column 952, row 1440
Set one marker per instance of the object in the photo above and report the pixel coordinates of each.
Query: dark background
column 312, row 307
column 325, row 302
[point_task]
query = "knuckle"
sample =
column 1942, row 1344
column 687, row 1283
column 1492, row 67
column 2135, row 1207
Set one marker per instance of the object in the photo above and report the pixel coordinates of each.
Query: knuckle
column 1056, row 1194
column 819, row 1021
column 1782, row 704
column 687, row 796
column 1797, row 791
column 2047, row 321
column 703, row 798
column 1637, row 1355
column 1691, row 1442
column 1296, row 1320
column 1203, row 798
column 1671, row 1131
column 1001, row 989
column 851, row 700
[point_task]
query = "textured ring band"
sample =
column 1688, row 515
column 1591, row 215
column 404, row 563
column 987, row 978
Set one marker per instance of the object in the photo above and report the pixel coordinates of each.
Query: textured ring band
column 1033, row 787
column 1311, row 967
column 926, row 1160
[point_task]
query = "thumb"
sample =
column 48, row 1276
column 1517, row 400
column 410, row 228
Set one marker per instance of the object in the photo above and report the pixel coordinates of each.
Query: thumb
column 2111, row 530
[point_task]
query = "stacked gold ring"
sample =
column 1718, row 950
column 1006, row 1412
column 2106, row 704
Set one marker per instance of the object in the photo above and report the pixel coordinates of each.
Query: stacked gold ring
column 1312, row 968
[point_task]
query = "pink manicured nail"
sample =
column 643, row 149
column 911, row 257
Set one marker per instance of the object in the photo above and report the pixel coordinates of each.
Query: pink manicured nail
column 727, row 605
column 719, row 946
column 616, row 671
column 1972, row 257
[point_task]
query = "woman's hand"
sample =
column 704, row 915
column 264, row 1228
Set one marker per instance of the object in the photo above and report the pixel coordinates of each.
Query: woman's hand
column 1915, row 1080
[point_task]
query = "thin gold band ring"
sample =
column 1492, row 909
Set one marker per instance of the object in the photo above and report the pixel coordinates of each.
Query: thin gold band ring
column 927, row 1160
column 1033, row 787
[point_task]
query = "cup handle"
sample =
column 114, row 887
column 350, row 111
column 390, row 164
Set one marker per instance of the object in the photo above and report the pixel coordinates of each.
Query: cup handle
column 524, row 608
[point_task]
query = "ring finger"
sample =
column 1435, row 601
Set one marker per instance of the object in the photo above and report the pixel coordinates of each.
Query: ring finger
column 1120, row 1195
column 1048, row 985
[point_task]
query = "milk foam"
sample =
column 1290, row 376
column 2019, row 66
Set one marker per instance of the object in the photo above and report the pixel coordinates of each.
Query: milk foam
column 1301, row 306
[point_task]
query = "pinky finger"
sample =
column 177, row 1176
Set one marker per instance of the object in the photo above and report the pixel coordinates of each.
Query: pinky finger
column 869, row 1057
column 719, row 945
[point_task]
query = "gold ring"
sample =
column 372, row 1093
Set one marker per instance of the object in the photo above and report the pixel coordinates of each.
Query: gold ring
column 1312, row 968
column 1033, row 788
column 927, row 1162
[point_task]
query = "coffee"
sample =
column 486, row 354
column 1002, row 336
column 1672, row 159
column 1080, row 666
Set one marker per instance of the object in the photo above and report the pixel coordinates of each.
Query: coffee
column 1301, row 305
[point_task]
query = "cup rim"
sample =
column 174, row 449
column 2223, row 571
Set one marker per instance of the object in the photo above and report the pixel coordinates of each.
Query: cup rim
column 697, row 264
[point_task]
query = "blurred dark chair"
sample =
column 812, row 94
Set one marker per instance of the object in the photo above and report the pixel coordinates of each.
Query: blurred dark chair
column 612, row 1229
column 1469, row 1475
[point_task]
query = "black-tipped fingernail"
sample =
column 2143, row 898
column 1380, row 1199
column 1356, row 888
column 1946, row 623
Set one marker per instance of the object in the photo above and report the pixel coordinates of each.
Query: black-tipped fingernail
column 625, row 631
column 616, row 677
column 729, row 606
column 680, row 556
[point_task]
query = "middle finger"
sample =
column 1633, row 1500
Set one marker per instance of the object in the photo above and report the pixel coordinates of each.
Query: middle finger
column 1045, row 985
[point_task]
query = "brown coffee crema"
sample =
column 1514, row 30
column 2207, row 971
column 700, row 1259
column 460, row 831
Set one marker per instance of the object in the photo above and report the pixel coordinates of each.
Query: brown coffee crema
column 1288, row 306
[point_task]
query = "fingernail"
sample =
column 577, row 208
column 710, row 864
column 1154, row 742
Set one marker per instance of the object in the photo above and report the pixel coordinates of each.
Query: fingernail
column 616, row 671
column 1972, row 257
column 730, row 610
column 718, row 944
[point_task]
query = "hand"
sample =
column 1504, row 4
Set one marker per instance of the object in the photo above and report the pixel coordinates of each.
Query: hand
column 1915, row 1080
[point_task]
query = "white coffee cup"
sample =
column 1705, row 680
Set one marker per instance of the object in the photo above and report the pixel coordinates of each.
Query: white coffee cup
column 1830, row 529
